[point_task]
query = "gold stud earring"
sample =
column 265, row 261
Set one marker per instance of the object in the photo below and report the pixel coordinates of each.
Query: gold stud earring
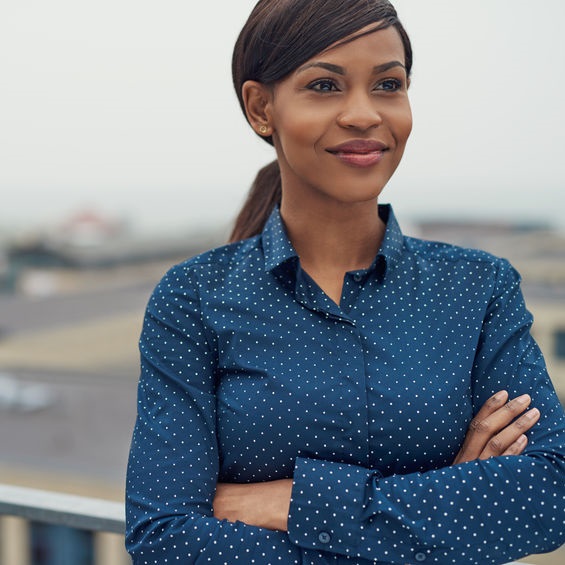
column 263, row 129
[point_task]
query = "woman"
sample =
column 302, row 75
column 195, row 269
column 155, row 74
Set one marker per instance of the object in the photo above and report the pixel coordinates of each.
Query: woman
column 325, row 389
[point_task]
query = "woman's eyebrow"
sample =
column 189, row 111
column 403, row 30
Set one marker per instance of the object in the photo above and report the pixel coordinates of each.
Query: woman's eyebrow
column 387, row 66
column 328, row 66
column 341, row 70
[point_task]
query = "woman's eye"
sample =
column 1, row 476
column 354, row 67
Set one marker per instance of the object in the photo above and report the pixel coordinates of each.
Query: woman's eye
column 389, row 85
column 323, row 86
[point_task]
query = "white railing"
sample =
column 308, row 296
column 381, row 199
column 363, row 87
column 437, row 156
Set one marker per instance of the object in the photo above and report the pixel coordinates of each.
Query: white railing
column 21, row 506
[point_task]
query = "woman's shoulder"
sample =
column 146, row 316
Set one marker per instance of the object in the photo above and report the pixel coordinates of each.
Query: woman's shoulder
column 465, row 260
column 443, row 251
column 218, row 262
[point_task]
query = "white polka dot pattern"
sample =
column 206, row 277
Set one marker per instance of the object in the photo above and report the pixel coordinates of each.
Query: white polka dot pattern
column 251, row 373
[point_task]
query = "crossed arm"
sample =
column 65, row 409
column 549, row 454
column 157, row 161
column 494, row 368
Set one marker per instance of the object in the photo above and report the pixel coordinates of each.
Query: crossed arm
column 480, row 509
column 498, row 429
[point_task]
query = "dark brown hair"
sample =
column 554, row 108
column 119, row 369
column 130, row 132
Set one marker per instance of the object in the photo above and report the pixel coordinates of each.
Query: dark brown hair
column 279, row 37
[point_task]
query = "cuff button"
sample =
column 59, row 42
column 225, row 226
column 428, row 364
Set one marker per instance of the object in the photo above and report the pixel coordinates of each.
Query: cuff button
column 324, row 537
column 420, row 557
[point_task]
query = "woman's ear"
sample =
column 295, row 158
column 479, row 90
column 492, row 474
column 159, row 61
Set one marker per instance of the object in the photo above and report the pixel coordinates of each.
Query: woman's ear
column 257, row 100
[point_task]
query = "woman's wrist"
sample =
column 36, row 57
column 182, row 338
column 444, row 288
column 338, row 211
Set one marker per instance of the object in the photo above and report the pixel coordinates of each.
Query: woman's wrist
column 265, row 505
column 280, row 496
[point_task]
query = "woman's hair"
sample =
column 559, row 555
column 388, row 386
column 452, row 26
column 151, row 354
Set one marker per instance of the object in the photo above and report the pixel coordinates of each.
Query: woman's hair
column 279, row 37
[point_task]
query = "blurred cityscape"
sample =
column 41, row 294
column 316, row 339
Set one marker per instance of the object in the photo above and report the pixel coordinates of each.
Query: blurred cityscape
column 71, row 305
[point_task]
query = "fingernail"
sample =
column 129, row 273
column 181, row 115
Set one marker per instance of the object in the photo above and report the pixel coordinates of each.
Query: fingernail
column 532, row 414
column 524, row 399
column 522, row 440
column 499, row 395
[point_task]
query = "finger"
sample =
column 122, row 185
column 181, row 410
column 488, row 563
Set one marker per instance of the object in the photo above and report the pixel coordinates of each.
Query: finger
column 517, row 447
column 473, row 445
column 499, row 419
column 499, row 443
column 489, row 420
column 483, row 431
column 495, row 402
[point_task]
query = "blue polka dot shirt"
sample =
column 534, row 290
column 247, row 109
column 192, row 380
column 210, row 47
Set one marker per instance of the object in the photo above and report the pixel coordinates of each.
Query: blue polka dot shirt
column 249, row 372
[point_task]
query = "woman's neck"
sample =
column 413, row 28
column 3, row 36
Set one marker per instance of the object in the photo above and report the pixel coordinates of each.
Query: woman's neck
column 334, row 239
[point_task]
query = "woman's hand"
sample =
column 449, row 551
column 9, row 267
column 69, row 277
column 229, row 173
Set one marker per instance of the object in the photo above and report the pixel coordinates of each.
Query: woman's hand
column 497, row 429
column 265, row 505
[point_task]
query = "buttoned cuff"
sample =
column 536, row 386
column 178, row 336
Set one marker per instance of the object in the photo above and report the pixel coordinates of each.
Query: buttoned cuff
column 326, row 506
column 335, row 508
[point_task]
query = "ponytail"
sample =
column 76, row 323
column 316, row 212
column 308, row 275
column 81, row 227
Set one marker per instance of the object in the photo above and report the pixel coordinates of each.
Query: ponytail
column 264, row 195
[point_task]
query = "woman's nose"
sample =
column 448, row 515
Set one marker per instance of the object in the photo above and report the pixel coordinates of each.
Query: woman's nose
column 360, row 112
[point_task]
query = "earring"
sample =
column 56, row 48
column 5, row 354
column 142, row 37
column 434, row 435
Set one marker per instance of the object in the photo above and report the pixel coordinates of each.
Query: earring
column 263, row 129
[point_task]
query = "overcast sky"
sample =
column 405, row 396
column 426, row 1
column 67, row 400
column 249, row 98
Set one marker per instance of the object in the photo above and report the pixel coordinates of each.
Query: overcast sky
column 126, row 106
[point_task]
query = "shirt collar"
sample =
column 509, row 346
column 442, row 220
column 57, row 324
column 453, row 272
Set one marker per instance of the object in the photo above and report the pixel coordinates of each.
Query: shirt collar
column 393, row 242
column 277, row 247
column 280, row 253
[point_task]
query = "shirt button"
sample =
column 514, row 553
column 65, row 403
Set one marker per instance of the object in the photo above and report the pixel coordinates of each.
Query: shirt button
column 420, row 557
column 357, row 277
column 324, row 537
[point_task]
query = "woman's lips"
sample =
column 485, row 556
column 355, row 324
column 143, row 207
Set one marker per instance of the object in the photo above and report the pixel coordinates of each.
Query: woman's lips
column 360, row 159
column 359, row 152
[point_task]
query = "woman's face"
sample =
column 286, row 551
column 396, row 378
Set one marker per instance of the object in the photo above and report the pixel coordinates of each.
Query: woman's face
column 341, row 121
